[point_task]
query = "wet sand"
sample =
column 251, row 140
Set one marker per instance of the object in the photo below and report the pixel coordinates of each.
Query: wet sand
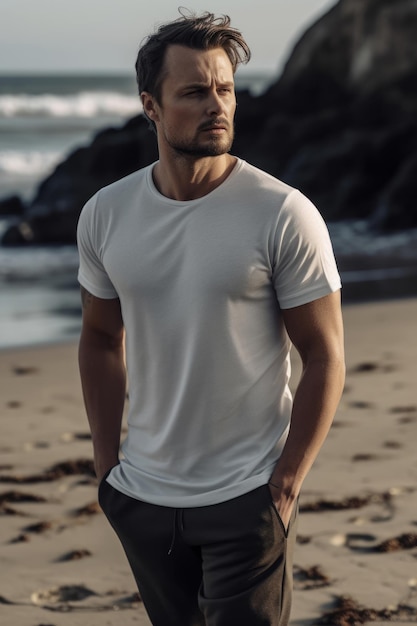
column 356, row 556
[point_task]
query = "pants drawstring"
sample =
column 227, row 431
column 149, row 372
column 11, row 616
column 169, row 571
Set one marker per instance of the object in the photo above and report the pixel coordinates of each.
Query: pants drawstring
column 177, row 520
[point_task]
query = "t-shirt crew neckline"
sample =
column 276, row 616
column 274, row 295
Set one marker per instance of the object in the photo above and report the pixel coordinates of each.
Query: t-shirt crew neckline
column 170, row 201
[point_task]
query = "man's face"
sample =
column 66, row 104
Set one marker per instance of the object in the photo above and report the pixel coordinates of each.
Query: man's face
column 198, row 103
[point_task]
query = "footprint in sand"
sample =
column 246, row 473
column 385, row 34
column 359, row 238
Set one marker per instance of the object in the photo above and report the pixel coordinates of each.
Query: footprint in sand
column 355, row 541
column 22, row 370
column 65, row 593
column 369, row 543
column 46, row 410
column 411, row 408
column 303, row 540
column 74, row 555
column 62, row 599
column 392, row 445
column 364, row 456
column 407, row 419
column 13, row 404
column 369, row 366
column 407, row 414
column 70, row 437
column 36, row 445
column 360, row 404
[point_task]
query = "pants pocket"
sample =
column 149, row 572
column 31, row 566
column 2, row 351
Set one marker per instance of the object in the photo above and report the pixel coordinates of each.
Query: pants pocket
column 278, row 516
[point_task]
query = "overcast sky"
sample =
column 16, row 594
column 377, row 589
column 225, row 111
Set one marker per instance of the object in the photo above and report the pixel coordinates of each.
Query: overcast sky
column 104, row 35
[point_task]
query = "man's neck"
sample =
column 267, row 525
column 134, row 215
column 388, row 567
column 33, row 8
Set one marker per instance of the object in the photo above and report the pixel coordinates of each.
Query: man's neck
column 185, row 179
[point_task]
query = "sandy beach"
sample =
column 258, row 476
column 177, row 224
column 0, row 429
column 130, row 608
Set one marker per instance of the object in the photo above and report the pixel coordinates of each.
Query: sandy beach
column 356, row 556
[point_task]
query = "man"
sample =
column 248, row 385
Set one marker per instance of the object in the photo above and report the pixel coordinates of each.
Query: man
column 212, row 268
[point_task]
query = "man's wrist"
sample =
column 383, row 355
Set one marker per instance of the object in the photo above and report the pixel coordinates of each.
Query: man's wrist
column 287, row 489
column 103, row 465
column 273, row 485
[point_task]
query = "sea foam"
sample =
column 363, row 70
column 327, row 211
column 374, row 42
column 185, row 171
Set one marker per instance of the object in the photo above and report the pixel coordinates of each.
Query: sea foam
column 84, row 104
column 29, row 163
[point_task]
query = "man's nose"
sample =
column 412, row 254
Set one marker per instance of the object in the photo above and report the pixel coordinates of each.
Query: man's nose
column 215, row 104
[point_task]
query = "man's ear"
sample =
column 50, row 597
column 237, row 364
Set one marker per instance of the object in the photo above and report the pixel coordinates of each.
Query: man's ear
column 150, row 107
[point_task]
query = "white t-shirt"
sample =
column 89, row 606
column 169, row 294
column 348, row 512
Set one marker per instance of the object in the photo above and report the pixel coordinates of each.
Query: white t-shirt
column 201, row 285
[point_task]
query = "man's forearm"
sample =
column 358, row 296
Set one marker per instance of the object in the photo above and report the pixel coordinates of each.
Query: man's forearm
column 315, row 403
column 103, row 379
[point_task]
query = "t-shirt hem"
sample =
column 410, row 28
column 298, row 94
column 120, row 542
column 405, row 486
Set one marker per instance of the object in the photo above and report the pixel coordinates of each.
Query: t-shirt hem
column 309, row 296
column 197, row 500
column 99, row 292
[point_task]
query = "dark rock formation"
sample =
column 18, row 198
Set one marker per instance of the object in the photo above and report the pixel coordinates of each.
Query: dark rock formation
column 53, row 214
column 341, row 121
column 12, row 205
column 340, row 124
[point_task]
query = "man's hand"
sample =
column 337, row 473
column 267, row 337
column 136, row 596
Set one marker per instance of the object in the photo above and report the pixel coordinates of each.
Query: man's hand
column 283, row 504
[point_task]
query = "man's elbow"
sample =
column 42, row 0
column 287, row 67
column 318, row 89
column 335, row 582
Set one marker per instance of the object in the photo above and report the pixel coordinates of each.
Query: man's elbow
column 328, row 365
column 335, row 366
column 100, row 339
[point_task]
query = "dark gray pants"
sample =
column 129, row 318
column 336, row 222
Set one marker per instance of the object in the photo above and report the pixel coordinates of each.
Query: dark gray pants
column 228, row 564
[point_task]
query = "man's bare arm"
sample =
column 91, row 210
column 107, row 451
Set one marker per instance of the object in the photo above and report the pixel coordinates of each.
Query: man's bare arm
column 103, row 376
column 316, row 330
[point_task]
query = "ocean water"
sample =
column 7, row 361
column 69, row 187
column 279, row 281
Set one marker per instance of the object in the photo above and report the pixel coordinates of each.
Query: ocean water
column 42, row 119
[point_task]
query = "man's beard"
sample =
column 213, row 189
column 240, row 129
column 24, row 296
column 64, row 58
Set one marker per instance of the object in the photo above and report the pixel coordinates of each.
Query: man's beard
column 208, row 148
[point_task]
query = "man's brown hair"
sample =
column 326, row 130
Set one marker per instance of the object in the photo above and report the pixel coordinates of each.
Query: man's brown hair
column 203, row 32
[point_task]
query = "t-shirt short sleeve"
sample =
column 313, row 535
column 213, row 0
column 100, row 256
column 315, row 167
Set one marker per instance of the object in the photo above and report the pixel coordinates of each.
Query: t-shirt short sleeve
column 91, row 273
column 304, row 265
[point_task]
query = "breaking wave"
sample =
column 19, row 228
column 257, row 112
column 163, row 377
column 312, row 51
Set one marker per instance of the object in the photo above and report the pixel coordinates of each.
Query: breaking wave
column 29, row 163
column 87, row 104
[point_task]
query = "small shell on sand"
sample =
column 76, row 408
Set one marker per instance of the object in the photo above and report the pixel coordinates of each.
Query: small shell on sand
column 338, row 540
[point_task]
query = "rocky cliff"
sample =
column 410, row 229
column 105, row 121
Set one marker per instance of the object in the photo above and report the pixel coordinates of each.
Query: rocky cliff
column 340, row 124
column 342, row 118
